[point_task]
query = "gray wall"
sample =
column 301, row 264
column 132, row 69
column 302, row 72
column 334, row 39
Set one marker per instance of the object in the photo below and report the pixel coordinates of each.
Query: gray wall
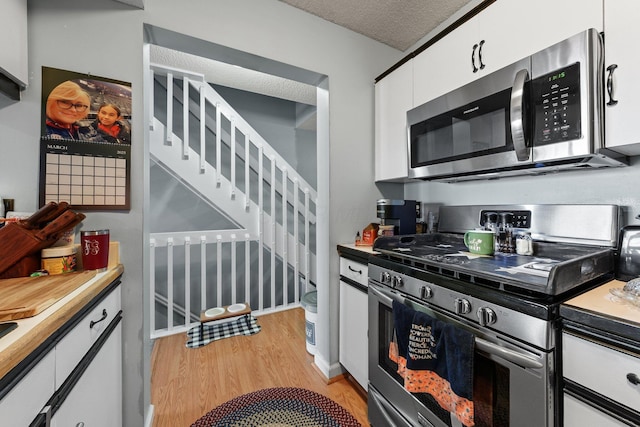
column 105, row 38
column 612, row 186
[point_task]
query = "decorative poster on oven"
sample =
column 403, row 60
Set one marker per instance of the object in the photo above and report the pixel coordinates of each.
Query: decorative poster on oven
column 85, row 143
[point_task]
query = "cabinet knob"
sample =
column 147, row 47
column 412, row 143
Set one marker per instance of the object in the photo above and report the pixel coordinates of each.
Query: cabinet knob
column 633, row 379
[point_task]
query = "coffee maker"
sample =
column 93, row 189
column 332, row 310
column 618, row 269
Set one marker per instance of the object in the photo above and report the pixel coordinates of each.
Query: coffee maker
column 402, row 214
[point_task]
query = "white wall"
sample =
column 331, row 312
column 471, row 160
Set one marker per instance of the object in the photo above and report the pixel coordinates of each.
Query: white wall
column 105, row 38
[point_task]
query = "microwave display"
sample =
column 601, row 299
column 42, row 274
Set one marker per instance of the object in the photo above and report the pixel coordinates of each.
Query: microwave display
column 556, row 100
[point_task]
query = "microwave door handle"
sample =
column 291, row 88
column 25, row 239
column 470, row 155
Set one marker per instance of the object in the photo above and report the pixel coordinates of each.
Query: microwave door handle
column 517, row 116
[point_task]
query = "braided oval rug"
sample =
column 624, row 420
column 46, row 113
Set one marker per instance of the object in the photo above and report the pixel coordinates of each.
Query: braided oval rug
column 280, row 406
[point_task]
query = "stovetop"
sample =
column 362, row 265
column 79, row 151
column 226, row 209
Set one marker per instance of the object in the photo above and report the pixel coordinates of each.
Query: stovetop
column 555, row 268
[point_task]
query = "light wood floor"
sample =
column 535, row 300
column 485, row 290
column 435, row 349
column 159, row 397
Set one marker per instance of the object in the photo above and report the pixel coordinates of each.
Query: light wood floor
column 187, row 383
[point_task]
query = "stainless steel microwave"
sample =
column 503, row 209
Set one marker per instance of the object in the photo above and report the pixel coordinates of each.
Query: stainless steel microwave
column 538, row 115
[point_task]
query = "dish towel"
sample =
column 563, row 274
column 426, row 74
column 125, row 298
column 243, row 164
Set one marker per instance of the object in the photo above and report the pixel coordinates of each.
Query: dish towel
column 435, row 357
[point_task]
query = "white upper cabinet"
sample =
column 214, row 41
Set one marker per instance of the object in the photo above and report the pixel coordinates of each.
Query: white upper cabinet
column 13, row 33
column 504, row 32
column 393, row 97
column 622, row 68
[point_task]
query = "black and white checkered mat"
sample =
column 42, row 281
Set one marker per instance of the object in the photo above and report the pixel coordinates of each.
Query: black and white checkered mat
column 244, row 325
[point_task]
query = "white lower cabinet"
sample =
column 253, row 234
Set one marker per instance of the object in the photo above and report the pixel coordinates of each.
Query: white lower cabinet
column 578, row 413
column 29, row 396
column 599, row 371
column 76, row 378
column 354, row 341
column 96, row 399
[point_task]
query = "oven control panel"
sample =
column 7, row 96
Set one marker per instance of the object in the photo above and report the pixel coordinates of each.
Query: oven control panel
column 480, row 312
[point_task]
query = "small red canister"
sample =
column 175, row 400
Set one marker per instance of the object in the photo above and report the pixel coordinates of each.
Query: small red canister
column 95, row 249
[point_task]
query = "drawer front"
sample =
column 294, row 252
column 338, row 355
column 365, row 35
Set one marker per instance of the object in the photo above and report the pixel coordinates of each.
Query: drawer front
column 77, row 342
column 25, row 401
column 354, row 270
column 579, row 414
column 602, row 369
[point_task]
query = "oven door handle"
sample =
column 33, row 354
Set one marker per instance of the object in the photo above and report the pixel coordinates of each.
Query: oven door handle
column 507, row 354
column 386, row 296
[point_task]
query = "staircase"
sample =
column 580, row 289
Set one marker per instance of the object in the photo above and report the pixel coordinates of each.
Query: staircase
column 268, row 260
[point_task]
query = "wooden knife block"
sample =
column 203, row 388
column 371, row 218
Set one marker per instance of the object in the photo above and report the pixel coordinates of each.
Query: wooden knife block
column 24, row 267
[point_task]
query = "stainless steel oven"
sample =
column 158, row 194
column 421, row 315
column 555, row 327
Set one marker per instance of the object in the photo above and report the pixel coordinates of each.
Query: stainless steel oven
column 511, row 311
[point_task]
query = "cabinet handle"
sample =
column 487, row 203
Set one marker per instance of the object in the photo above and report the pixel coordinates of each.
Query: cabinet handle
column 104, row 316
column 473, row 59
column 354, row 270
column 633, row 379
column 611, row 68
column 480, row 54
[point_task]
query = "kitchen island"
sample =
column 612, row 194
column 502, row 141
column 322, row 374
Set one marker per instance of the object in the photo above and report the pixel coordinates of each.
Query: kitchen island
column 52, row 364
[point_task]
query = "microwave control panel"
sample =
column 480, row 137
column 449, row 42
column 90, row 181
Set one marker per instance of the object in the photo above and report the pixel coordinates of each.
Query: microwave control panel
column 556, row 103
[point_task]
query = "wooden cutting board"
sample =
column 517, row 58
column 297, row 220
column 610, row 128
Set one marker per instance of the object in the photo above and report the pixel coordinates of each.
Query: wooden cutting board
column 22, row 297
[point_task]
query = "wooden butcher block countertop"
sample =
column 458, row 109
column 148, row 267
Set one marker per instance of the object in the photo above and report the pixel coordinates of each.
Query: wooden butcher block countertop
column 34, row 330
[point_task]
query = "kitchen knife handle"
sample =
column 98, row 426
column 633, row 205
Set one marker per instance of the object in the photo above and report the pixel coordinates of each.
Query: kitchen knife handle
column 37, row 217
column 51, row 230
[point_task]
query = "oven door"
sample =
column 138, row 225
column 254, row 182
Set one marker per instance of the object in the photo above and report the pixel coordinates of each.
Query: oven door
column 512, row 381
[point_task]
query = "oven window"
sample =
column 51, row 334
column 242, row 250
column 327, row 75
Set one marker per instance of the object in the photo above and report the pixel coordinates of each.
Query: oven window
column 490, row 383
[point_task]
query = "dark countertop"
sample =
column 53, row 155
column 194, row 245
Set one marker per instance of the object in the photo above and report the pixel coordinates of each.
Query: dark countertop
column 356, row 252
column 599, row 309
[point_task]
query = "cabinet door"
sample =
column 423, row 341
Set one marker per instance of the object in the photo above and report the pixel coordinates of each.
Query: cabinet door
column 28, row 397
column 621, row 33
column 509, row 31
column 517, row 28
column 354, row 341
column 579, row 414
column 446, row 64
column 393, row 98
column 13, row 33
column 96, row 400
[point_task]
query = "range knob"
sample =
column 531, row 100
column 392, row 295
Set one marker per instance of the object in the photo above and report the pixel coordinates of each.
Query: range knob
column 486, row 316
column 385, row 277
column 425, row 292
column 397, row 281
column 462, row 306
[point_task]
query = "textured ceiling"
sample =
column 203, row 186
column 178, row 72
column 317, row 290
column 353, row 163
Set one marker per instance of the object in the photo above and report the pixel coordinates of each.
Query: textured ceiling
column 397, row 23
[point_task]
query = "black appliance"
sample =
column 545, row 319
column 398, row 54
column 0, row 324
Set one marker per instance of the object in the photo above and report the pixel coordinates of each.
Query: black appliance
column 402, row 214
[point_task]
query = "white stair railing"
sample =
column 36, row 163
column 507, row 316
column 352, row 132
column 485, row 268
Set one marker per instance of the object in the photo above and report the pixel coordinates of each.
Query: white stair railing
column 289, row 247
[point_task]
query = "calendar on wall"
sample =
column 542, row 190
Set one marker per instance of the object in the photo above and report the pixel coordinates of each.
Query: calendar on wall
column 85, row 143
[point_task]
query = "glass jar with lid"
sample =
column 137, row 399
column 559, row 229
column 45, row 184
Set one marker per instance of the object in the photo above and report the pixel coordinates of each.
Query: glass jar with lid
column 524, row 243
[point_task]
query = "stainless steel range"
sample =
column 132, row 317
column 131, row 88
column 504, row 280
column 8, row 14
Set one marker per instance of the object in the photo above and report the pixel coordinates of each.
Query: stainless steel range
column 508, row 302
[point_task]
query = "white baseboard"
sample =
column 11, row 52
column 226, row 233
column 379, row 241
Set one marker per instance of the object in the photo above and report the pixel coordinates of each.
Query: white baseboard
column 148, row 420
column 329, row 371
